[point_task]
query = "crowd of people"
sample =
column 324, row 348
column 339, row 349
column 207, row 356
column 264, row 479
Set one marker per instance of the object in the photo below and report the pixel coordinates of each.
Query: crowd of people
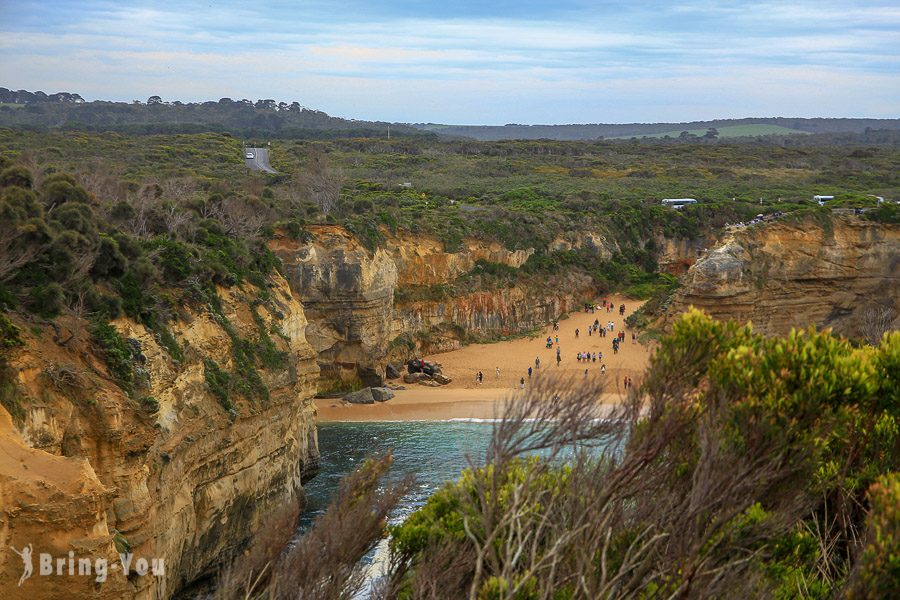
column 585, row 357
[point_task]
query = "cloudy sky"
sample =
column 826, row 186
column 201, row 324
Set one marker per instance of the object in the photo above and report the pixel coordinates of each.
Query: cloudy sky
column 470, row 61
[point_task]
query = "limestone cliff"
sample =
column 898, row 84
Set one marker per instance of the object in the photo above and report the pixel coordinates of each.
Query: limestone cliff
column 793, row 274
column 169, row 472
column 356, row 321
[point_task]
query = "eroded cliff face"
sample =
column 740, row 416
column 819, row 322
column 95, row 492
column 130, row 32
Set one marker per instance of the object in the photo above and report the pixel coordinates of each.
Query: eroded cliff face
column 86, row 468
column 356, row 323
column 348, row 296
column 786, row 274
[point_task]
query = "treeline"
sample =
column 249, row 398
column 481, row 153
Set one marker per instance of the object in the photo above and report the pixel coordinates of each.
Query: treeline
column 262, row 118
column 593, row 131
column 26, row 97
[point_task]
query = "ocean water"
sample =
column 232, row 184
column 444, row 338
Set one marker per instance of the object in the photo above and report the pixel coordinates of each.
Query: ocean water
column 435, row 451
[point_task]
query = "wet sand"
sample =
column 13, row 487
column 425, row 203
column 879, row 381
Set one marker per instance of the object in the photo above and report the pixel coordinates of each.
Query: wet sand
column 466, row 399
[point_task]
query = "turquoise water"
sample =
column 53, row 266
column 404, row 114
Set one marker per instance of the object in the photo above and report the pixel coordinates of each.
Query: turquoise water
column 435, row 451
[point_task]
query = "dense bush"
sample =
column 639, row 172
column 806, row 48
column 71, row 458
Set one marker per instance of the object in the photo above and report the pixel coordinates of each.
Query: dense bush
column 752, row 469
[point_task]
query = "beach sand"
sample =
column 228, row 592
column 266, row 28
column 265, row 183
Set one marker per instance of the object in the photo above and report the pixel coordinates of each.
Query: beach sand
column 466, row 399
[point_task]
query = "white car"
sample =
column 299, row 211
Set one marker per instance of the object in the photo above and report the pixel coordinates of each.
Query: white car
column 249, row 155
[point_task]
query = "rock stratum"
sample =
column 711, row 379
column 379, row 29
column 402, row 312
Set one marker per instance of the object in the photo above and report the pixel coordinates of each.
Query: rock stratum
column 84, row 468
column 359, row 317
column 829, row 272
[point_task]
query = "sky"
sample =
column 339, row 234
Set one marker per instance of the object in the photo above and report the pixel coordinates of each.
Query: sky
column 470, row 61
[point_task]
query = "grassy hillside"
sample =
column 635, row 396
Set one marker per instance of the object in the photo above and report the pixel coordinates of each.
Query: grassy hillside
column 593, row 131
column 735, row 131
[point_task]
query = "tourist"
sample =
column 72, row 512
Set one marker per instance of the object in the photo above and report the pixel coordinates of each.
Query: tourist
column 522, row 383
column 585, row 373
column 480, row 377
column 576, row 332
column 537, row 362
column 529, row 372
column 603, row 369
column 498, row 372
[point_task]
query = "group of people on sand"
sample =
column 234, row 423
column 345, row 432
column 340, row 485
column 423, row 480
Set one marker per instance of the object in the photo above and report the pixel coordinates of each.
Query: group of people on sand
column 582, row 357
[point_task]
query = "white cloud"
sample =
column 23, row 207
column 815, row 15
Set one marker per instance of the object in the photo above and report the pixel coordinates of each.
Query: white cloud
column 675, row 62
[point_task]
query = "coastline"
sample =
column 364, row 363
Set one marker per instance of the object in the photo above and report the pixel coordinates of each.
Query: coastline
column 465, row 398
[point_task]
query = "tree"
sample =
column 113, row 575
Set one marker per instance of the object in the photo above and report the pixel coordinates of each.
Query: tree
column 876, row 321
column 153, row 100
column 319, row 182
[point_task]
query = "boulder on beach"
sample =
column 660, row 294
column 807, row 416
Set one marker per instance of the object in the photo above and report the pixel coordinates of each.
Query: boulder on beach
column 416, row 377
column 442, row 379
column 381, row 394
column 391, row 371
column 363, row 396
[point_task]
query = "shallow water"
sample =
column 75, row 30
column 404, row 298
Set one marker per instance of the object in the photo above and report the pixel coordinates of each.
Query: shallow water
column 435, row 451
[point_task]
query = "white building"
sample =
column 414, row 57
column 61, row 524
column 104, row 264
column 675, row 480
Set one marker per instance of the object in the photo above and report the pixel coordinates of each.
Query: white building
column 678, row 202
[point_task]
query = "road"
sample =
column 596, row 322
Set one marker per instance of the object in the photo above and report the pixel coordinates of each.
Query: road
column 260, row 160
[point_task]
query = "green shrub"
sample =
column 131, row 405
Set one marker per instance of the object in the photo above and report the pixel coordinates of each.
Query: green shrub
column 10, row 395
column 218, row 382
column 115, row 351
column 16, row 176
column 10, row 334
column 150, row 404
column 878, row 574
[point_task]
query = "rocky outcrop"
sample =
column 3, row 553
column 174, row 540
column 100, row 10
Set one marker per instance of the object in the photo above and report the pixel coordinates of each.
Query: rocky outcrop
column 505, row 311
column 676, row 255
column 793, row 274
column 425, row 262
column 348, row 294
column 168, row 473
column 601, row 245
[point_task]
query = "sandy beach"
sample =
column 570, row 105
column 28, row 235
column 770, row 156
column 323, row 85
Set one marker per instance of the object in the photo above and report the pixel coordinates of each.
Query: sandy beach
column 464, row 398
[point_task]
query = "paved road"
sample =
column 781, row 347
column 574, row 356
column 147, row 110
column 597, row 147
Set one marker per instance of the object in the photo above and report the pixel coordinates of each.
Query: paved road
column 260, row 160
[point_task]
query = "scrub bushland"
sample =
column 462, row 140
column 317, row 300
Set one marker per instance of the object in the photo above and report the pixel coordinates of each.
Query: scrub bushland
column 742, row 465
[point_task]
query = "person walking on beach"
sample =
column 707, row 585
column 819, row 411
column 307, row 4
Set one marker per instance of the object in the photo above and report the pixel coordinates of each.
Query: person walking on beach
column 585, row 373
column 603, row 369
column 480, row 377
column 576, row 332
column 529, row 372
column 498, row 372
column 537, row 362
column 522, row 383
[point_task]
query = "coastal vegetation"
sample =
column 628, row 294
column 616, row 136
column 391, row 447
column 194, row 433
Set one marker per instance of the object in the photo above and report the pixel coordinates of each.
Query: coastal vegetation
column 183, row 207
column 765, row 467
column 760, row 467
